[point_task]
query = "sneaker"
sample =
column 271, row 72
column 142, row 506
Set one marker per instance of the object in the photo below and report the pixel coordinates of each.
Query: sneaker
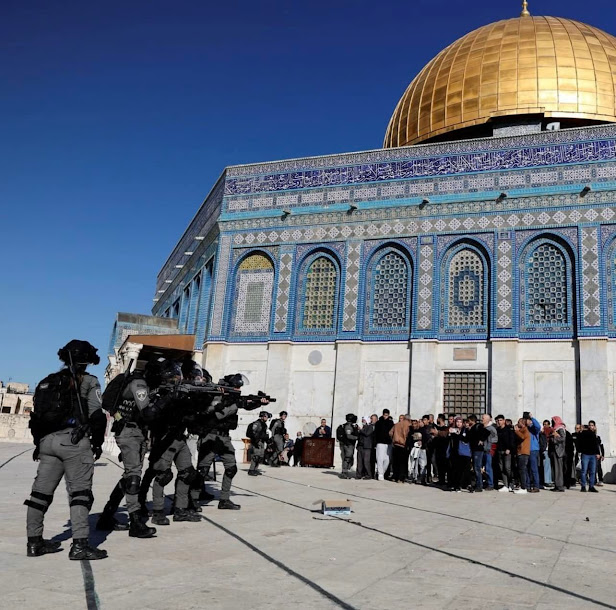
column 253, row 473
column 534, row 490
column 599, row 484
column 583, row 489
column 520, row 491
column 504, row 489
column 489, row 488
column 595, row 491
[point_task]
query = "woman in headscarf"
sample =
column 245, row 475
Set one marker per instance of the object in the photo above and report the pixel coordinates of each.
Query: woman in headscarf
column 558, row 439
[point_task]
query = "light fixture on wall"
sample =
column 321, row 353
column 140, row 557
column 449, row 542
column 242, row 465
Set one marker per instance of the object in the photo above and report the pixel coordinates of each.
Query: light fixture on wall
column 585, row 191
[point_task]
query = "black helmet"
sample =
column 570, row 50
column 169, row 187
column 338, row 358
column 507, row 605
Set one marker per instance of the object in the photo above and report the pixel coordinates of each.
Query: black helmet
column 192, row 371
column 234, row 381
column 352, row 419
column 283, row 413
column 162, row 371
column 79, row 353
column 264, row 414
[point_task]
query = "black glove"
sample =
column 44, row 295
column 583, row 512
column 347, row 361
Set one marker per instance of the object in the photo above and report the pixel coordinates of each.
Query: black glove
column 35, row 454
column 97, row 451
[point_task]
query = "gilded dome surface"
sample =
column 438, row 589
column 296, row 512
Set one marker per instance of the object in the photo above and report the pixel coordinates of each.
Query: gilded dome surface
column 524, row 66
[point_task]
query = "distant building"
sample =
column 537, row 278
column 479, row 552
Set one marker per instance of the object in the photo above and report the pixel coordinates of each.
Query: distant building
column 16, row 402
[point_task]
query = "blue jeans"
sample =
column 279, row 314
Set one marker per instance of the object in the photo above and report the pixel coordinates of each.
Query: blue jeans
column 589, row 465
column 487, row 462
column 534, row 469
column 523, row 471
column 477, row 464
column 547, row 469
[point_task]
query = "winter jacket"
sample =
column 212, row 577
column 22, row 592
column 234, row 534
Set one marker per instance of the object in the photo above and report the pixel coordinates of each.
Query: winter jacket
column 381, row 431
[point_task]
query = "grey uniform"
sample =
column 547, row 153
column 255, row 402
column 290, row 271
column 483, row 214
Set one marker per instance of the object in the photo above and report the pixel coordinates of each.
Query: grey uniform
column 347, row 445
column 177, row 452
column 365, row 447
column 216, row 441
column 258, row 441
column 59, row 457
column 278, row 431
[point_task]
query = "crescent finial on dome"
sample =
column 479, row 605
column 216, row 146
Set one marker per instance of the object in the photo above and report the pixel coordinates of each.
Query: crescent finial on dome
column 524, row 12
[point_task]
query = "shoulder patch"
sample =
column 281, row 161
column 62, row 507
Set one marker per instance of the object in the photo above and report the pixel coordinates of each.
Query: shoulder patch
column 141, row 394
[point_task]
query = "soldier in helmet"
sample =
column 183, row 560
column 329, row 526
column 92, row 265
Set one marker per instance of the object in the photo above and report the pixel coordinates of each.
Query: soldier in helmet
column 135, row 411
column 347, row 435
column 257, row 433
column 278, row 430
column 168, row 434
column 68, row 428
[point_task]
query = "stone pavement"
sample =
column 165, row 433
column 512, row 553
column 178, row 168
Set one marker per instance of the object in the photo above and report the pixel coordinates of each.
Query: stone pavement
column 403, row 546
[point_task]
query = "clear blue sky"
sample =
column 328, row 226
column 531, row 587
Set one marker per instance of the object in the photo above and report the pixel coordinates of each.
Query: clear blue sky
column 117, row 117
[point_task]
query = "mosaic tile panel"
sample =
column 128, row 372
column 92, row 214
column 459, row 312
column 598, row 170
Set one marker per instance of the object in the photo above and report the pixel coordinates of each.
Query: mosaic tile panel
column 221, row 284
column 504, row 282
column 253, row 299
column 319, row 306
column 447, row 165
column 426, row 279
column 351, row 289
column 546, row 287
column 591, row 288
column 389, row 293
column 283, row 293
column 465, row 284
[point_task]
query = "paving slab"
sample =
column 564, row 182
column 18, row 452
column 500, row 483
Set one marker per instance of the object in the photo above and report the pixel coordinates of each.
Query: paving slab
column 403, row 545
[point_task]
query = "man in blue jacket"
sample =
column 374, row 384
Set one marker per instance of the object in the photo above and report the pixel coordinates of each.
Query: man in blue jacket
column 534, row 427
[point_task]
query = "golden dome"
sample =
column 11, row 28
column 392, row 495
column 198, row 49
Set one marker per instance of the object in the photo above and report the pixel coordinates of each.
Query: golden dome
column 528, row 65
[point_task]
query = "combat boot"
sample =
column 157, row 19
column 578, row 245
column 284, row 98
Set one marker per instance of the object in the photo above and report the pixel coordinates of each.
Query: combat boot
column 159, row 518
column 253, row 473
column 228, row 505
column 138, row 529
column 205, row 496
column 81, row 550
column 37, row 546
column 183, row 514
column 107, row 523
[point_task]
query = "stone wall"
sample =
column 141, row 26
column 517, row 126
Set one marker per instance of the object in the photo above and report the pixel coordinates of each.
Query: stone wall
column 14, row 428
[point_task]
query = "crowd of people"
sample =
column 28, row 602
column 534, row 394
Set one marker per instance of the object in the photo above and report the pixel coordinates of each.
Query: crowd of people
column 475, row 454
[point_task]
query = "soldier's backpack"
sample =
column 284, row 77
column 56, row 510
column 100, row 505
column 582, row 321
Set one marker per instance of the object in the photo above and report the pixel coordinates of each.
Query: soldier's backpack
column 340, row 433
column 112, row 394
column 251, row 431
column 55, row 400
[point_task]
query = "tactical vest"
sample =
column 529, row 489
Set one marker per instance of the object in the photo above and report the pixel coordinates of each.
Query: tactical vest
column 127, row 407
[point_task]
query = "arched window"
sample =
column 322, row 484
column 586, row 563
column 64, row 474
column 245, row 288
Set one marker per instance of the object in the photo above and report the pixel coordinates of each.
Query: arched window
column 320, row 295
column 547, row 287
column 253, row 295
column 389, row 292
column 466, row 290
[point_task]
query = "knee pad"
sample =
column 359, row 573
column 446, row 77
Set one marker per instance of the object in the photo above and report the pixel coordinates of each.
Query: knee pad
column 131, row 484
column 39, row 501
column 83, row 497
column 231, row 472
column 187, row 475
column 164, row 478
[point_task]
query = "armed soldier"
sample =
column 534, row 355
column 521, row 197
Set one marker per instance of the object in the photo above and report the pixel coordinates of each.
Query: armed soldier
column 278, row 431
column 132, row 413
column 257, row 433
column 68, row 427
column 347, row 435
column 169, row 446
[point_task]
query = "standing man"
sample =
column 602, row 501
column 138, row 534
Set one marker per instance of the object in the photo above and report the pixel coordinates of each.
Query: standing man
column 588, row 446
column 534, row 427
column 365, row 449
column 278, row 430
column 383, row 443
column 135, row 410
column 521, row 431
column 399, row 451
column 257, row 433
column 347, row 435
column 505, row 449
column 477, row 436
column 323, row 431
column 558, row 441
column 489, row 448
column 68, row 428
